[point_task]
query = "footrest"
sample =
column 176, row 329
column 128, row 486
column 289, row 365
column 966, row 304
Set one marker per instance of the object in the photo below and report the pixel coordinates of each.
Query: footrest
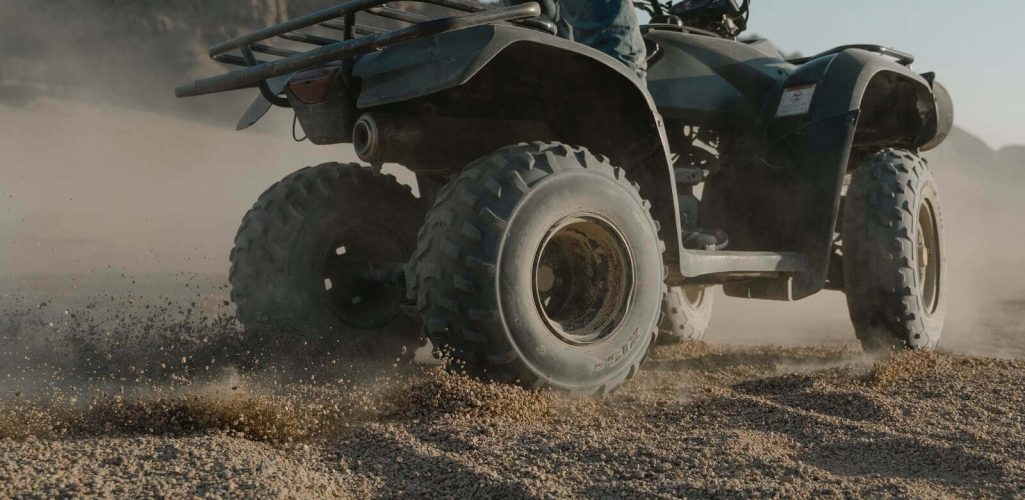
column 706, row 239
column 694, row 263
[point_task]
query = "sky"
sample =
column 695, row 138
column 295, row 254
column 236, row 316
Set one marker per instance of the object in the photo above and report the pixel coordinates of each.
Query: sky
column 976, row 48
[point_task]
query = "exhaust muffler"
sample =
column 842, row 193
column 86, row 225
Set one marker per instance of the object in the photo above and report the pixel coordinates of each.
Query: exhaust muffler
column 438, row 143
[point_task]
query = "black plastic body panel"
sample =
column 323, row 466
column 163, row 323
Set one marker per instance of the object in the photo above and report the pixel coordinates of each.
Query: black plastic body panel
column 783, row 193
column 429, row 65
column 849, row 79
column 789, row 206
column 944, row 116
column 708, row 81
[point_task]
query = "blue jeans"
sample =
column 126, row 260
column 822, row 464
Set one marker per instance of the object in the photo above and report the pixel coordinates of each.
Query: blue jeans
column 610, row 26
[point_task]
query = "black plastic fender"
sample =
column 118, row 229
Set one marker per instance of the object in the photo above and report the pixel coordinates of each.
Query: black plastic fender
column 867, row 82
column 788, row 197
column 432, row 64
column 626, row 126
column 703, row 80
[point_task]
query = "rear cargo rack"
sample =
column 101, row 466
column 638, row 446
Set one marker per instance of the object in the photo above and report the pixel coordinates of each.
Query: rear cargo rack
column 356, row 39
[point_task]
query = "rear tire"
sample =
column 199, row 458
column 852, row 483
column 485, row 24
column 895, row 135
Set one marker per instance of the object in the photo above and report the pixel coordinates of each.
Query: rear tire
column 540, row 264
column 686, row 312
column 893, row 257
column 296, row 267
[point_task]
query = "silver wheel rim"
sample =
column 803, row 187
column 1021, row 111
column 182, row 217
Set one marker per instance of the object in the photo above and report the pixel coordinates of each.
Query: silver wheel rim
column 928, row 257
column 583, row 279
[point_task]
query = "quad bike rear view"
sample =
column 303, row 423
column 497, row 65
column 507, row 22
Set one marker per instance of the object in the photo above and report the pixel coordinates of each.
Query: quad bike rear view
column 570, row 214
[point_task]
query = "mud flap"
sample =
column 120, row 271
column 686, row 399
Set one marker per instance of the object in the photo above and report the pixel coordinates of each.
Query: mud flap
column 788, row 200
column 261, row 105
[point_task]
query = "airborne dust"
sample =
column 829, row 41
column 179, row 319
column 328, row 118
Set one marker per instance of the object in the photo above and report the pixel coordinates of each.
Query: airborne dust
column 123, row 373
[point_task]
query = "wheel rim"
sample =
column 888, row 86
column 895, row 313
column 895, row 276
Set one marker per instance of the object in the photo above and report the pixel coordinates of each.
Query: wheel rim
column 928, row 257
column 348, row 261
column 583, row 279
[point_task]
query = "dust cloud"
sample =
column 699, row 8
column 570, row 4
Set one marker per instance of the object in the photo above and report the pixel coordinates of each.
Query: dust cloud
column 92, row 192
column 88, row 189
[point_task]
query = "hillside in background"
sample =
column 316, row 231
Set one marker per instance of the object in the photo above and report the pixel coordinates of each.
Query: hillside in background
column 963, row 150
column 1012, row 160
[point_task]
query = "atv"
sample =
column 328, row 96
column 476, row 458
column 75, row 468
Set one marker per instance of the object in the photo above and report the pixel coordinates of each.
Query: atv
column 562, row 226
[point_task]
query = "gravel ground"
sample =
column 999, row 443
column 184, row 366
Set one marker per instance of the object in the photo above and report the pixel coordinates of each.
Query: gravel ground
column 700, row 420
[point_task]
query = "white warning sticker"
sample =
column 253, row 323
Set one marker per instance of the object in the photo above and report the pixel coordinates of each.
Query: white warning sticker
column 796, row 101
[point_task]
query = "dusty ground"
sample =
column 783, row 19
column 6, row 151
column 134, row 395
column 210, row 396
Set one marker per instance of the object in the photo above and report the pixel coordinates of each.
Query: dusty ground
column 113, row 387
column 700, row 421
column 137, row 396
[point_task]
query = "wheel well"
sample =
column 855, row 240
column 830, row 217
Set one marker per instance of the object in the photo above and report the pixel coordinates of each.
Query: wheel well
column 896, row 111
column 558, row 95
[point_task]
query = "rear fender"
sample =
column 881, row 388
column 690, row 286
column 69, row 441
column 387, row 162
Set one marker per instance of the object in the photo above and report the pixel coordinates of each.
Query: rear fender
column 583, row 97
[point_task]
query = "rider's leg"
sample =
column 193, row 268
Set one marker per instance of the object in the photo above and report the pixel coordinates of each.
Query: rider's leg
column 610, row 26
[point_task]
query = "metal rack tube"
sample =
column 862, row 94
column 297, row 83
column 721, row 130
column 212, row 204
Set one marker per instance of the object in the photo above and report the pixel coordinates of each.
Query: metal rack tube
column 252, row 76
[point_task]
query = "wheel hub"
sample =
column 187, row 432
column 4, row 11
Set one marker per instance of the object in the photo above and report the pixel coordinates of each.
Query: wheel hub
column 352, row 264
column 583, row 279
